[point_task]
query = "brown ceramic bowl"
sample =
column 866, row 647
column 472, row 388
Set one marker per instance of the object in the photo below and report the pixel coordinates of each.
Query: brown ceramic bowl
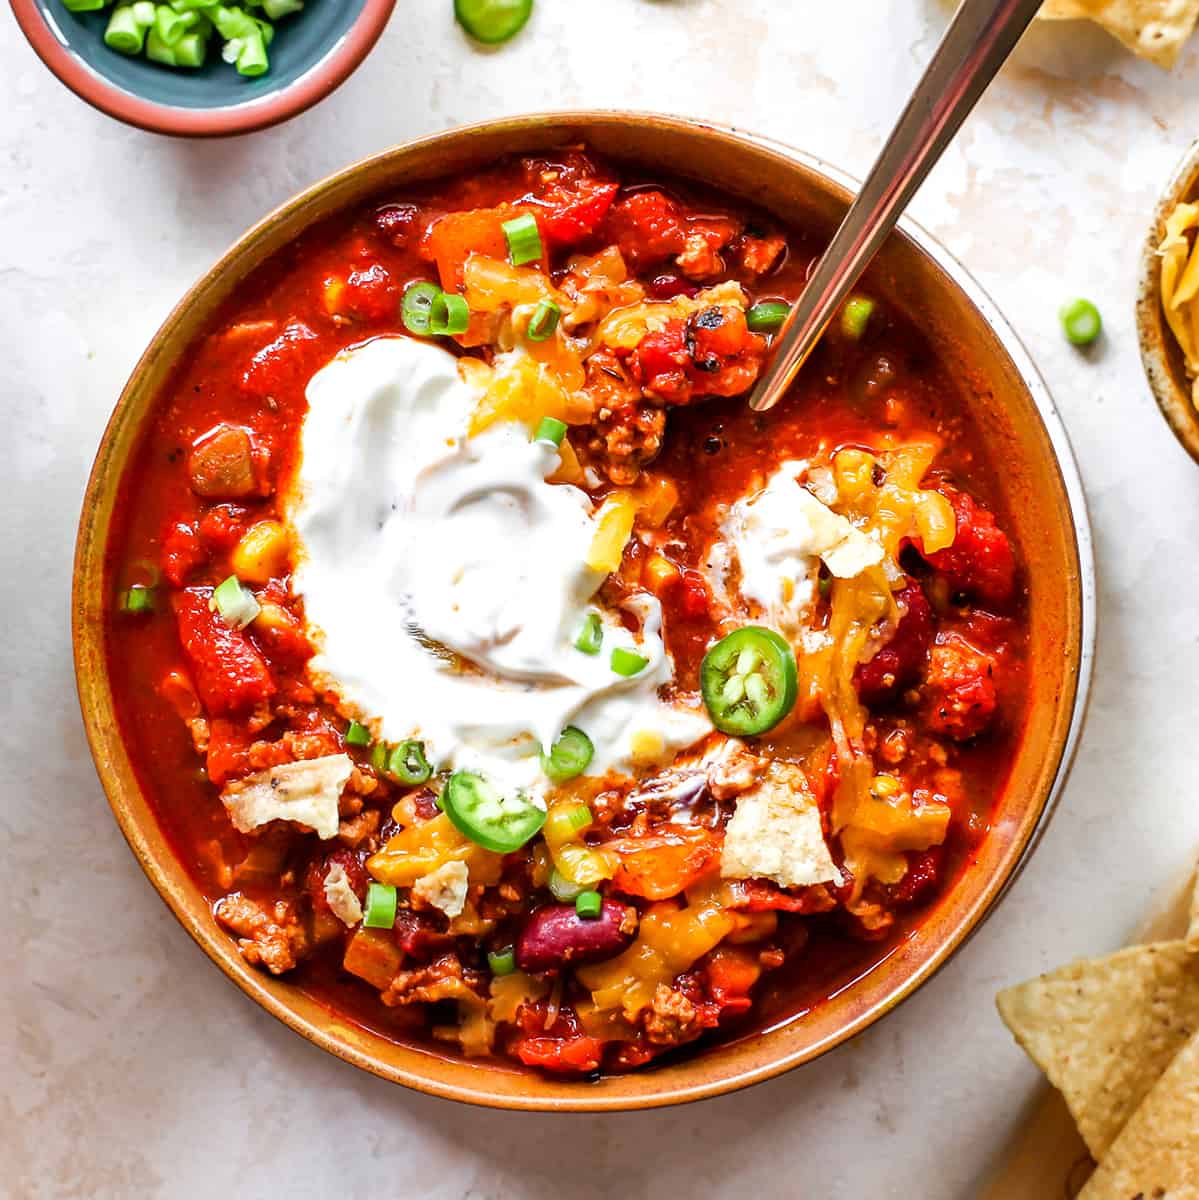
column 1045, row 502
column 1159, row 350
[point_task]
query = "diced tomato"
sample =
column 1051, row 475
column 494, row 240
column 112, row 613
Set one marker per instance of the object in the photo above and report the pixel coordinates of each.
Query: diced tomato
column 229, row 673
column 924, row 874
column 182, row 552
column 731, row 974
column 228, row 750
column 282, row 364
column 900, row 663
column 980, row 562
column 695, row 601
column 575, row 213
column 371, row 293
column 647, row 226
column 713, row 353
column 663, row 863
column 221, row 527
column 960, row 697
column 580, row 1055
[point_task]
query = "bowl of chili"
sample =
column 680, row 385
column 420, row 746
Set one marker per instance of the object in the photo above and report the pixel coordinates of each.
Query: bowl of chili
column 970, row 697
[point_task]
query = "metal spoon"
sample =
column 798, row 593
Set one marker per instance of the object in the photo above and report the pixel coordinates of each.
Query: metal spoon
column 979, row 39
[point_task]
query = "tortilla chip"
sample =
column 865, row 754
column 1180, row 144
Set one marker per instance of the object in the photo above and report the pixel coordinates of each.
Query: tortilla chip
column 1152, row 29
column 1103, row 1030
column 1193, row 931
column 1157, row 1155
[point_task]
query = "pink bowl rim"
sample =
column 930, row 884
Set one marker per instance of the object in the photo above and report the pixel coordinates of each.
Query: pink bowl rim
column 324, row 77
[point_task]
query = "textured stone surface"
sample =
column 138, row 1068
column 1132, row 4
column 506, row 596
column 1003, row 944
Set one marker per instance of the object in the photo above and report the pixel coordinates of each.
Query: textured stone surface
column 130, row 1068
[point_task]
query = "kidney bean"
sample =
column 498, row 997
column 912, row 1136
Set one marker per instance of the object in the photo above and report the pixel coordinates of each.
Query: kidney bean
column 557, row 936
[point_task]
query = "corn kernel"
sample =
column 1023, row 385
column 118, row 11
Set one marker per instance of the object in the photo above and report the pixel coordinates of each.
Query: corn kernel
column 261, row 554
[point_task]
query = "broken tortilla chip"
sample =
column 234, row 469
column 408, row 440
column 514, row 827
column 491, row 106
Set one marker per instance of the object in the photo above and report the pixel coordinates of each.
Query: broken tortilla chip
column 1157, row 1154
column 1104, row 1030
column 1193, row 931
column 1152, row 29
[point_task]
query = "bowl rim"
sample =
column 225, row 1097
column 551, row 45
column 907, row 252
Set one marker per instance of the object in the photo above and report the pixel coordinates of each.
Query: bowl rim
column 327, row 74
column 251, row 982
column 1159, row 351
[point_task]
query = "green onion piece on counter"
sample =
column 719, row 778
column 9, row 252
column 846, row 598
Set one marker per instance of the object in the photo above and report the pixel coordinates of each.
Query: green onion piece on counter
column 449, row 314
column 523, row 238
column 380, row 910
column 492, row 21
column 589, row 904
column 569, row 755
column 855, row 316
column 590, row 637
column 358, row 734
column 502, row 962
column 749, row 681
column 137, row 599
column 579, row 818
column 235, row 604
column 1081, row 321
column 487, row 816
column 550, row 429
column 124, row 34
column 84, row 5
column 561, row 888
column 543, row 322
column 416, row 306
column 626, row 662
column 275, row 9
column 767, row 316
column 407, row 764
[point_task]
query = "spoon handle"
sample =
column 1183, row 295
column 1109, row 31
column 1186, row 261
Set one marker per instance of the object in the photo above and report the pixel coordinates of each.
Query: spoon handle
column 979, row 39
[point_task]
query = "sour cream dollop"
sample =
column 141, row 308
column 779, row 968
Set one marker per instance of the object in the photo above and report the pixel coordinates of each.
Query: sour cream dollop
column 444, row 580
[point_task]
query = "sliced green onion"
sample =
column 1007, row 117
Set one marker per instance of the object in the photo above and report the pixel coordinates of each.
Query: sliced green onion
column 492, row 21
column 407, row 763
column 171, row 25
column 379, row 757
column 562, row 888
column 626, row 662
column 590, row 637
column 143, row 13
column 358, row 734
column 579, row 818
column 247, row 53
column 191, row 5
column 233, row 23
column 191, row 49
column 502, row 962
column 569, row 755
column 543, row 322
column 417, row 305
column 84, row 5
column 138, row 598
column 855, row 316
column 550, row 429
column 589, row 904
column 523, row 238
column 767, row 316
column 235, row 604
column 380, row 911
column 1081, row 321
column 123, row 34
column 449, row 314
column 281, row 8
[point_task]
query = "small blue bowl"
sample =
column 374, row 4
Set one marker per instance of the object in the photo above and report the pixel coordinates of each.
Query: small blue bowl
column 312, row 53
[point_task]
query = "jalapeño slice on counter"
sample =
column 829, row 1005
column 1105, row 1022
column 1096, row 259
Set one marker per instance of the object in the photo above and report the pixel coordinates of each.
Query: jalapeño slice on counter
column 495, row 821
column 749, row 681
